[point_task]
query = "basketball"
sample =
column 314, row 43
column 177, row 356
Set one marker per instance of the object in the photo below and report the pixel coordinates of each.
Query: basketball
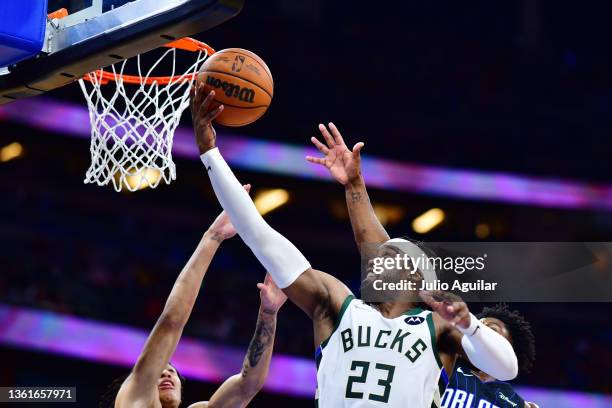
column 242, row 83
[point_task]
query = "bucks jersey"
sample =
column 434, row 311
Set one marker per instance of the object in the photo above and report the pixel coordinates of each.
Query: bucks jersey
column 372, row 361
column 465, row 390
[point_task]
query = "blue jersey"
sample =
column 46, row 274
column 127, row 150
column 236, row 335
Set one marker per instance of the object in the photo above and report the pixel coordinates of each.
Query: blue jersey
column 465, row 390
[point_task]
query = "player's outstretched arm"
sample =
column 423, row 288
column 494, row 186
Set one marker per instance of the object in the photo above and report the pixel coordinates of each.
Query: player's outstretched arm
column 344, row 166
column 159, row 347
column 459, row 330
column 318, row 294
column 238, row 390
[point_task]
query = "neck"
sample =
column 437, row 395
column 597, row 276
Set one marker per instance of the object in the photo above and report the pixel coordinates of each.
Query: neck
column 391, row 310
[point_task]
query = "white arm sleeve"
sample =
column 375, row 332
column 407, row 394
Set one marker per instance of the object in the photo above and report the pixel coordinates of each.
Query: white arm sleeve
column 489, row 351
column 281, row 258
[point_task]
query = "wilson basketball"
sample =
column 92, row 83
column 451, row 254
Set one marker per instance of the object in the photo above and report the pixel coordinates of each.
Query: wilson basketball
column 242, row 83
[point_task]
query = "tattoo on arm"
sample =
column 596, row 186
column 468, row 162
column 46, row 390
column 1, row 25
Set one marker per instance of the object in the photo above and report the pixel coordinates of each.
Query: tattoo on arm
column 264, row 334
column 217, row 237
column 355, row 197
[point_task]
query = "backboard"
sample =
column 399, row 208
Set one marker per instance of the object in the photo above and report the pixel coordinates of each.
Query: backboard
column 98, row 33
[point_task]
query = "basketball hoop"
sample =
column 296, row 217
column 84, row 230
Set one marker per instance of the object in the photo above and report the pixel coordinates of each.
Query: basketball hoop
column 133, row 122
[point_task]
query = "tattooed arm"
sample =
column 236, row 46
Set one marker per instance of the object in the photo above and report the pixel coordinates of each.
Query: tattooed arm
column 238, row 390
column 366, row 226
column 344, row 165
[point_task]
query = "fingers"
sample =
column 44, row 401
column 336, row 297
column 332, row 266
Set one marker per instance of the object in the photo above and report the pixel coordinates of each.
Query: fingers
column 205, row 104
column 438, row 307
column 322, row 148
column 337, row 136
column 446, row 304
column 247, row 187
column 266, row 284
column 425, row 296
column 428, row 297
column 192, row 95
column 462, row 314
column 316, row 160
column 446, row 297
column 357, row 150
column 327, row 136
column 210, row 116
column 438, row 300
column 199, row 95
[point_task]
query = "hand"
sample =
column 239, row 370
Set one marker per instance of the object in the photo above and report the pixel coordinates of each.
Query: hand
column 202, row 116
column 447, row 305
column 343, row 164
column 272, row 298
column 222, row 228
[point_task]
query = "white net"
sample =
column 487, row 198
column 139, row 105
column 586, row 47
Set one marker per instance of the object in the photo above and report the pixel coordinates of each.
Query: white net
column 132, row 125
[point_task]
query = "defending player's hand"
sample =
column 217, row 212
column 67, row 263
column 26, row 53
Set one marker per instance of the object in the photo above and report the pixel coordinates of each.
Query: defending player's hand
column 202, row 116
column 343, row 164
column 448, row 305
column 272, row 298
column 222, row 227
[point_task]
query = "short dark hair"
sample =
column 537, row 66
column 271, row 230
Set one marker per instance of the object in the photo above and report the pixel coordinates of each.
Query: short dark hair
column 107, row 400
column 523, row 340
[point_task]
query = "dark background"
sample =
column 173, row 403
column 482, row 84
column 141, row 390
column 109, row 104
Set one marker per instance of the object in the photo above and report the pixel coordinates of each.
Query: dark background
column 519, row 86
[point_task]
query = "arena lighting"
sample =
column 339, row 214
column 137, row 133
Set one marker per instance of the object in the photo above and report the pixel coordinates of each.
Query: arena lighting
column 269, row 200
column 121, row 345
column 482, row 231
column 204, row 361
column 150, row 176
column 388, row 214
column 428, row 220
column 10, row 152
column 281, row 158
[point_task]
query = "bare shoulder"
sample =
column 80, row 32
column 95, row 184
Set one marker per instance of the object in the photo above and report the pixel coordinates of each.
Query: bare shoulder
column 337, row 299
column 318, row 293
column 338, row 291
column 321, row 296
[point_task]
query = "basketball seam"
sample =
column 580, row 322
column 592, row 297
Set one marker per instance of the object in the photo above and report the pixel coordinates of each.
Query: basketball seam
column 245, row 80
column 251, row 56
column 240, row 124
column 241, row 107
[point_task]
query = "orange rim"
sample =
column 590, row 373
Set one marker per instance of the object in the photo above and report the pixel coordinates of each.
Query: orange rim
column 185, row 44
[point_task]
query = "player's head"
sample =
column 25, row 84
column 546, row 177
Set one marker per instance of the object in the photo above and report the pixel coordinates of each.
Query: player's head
column 170, row 386
column 168, row 396
column 513, row 326
column 399, row 260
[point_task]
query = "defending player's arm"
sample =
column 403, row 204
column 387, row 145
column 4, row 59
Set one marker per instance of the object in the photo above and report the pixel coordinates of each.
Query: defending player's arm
column 238, row 390
column 160, row 345
column 459, row 331
column 318, row 294
column 344, row 166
